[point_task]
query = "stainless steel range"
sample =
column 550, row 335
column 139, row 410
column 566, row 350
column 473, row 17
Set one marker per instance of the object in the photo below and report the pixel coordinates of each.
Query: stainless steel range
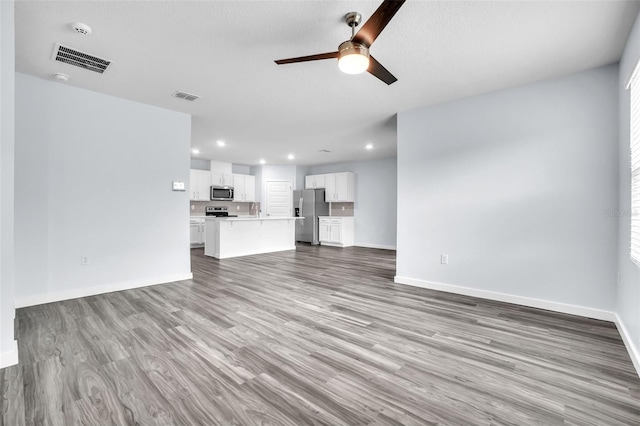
column 218, row 211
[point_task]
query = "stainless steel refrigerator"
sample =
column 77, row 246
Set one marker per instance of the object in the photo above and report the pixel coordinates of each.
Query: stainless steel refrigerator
column 309, row 203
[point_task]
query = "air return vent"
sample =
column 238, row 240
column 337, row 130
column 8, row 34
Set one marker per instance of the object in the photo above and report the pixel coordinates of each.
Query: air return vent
column 79, row 59
column 186, row 96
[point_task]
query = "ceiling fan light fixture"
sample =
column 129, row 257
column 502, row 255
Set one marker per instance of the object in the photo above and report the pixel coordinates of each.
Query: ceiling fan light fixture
column 353, row 58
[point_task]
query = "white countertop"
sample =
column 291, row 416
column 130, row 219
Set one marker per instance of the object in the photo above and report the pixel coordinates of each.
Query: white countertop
column 248, row 218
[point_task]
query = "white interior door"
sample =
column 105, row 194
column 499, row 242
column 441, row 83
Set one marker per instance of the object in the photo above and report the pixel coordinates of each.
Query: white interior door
column 279, row 198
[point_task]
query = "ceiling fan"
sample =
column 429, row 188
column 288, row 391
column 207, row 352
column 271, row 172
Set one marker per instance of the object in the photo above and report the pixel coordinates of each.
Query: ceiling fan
column 353, row 54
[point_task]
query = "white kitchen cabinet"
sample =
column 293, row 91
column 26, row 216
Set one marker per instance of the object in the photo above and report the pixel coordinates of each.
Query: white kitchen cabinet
column 323, row 230
column 339, row 187
column 196, row 231
column 199, row 183
column 250, row 188
column 336, row 231
column 314, row 181
column 244, row 188
column 221, row 179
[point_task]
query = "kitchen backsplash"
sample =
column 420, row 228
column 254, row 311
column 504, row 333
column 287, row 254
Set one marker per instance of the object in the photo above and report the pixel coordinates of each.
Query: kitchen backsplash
column 196, row 208
column 253, row 209
column 341, row 209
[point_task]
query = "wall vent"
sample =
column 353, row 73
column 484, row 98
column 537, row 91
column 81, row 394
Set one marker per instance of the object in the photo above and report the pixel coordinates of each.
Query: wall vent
column 186, row 96
column 79, row 59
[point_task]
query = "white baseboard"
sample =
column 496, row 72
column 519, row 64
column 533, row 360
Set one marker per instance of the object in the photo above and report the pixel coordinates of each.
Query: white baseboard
column 628, row 343
column 376, row 246
column 9, row 358
column 57, row 296
column 510, row 298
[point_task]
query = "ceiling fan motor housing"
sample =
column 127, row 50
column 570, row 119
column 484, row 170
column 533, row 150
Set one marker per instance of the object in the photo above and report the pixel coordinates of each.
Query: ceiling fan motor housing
column 350, row 48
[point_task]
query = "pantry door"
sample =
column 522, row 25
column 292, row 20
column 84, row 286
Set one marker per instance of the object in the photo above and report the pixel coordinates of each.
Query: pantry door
column 279, row 198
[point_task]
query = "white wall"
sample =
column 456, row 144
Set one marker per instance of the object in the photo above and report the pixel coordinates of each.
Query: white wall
column 513, row 186
column 375, row 203
column 93, row 178
column 8, row 348
column 269, row 172
column 629, row 281
column 200, row 164
column 241, row 169
column 301, row 172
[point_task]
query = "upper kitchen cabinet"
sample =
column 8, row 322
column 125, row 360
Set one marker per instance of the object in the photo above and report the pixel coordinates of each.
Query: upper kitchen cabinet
column 221, row 179
column 199, row 183
column 339, row 187
column 314, row 182
column 244, row 188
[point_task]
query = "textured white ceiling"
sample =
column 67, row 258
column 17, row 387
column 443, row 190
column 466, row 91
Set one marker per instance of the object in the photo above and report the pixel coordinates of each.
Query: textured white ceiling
column 224, row 51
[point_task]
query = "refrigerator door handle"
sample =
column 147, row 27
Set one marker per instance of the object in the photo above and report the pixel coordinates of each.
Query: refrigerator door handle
column 300, row 205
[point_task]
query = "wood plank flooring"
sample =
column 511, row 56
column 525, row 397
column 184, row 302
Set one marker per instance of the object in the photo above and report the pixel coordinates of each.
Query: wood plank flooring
column 316, row 336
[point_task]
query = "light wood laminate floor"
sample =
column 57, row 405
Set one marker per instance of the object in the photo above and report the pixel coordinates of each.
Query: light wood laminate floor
column 316, row 336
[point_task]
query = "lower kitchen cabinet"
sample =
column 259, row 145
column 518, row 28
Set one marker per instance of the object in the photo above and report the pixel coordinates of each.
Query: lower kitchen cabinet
column 336, row 231
column 196, row 230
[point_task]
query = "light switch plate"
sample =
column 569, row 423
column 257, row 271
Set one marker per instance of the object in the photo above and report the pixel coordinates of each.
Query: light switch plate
column 178, row 186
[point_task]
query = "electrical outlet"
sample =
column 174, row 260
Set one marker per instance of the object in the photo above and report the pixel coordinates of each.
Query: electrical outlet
column 237, row 207
column 84, row 260
column 193, row 206
column 444, row 259
column 342, row 208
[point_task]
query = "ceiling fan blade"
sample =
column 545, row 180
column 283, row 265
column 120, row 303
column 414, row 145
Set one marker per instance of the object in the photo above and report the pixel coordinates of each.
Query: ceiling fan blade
column 376, row 23
column 318, row 57
column 376, row 69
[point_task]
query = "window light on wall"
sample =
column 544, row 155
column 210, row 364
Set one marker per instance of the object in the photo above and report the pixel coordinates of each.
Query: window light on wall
column 634, row 141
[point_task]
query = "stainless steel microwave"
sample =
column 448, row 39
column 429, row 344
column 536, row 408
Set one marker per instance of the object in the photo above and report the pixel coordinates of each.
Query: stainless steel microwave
column 221, row 193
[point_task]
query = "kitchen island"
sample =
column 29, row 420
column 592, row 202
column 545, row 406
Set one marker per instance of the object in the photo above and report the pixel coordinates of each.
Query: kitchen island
column 227, row 237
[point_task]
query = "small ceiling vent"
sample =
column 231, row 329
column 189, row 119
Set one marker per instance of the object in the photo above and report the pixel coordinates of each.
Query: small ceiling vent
column 186, row 96
column 324, row 151
column 79, row 59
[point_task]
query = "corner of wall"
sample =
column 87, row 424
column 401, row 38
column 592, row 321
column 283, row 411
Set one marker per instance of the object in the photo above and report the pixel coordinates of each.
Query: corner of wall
column 10, row 357
column 8, row 348
column 628, row 283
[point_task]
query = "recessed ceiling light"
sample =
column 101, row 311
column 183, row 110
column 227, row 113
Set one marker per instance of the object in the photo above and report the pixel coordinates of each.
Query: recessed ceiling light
column 369, row 146
column 263, row 162
column 290, row 157
column 221, row 143
column 195, row 151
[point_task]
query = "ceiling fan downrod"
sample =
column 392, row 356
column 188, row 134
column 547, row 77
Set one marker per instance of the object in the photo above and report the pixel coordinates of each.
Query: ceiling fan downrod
column 353, row 19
